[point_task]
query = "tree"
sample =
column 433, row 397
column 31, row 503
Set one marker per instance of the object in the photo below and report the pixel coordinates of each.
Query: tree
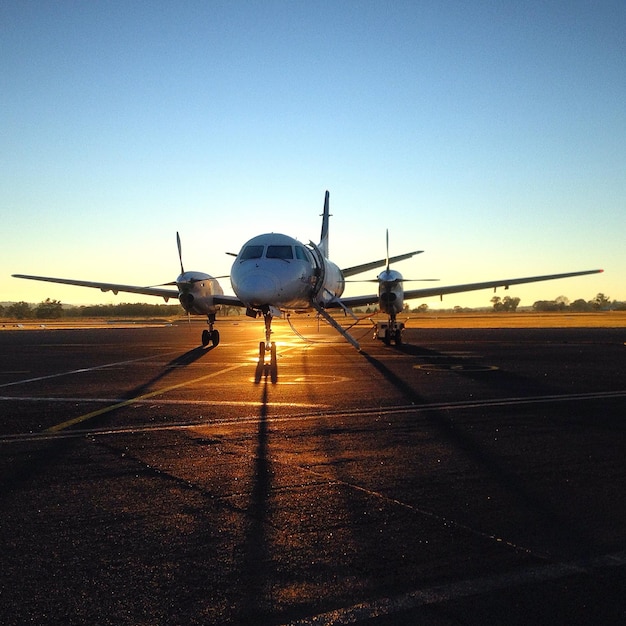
column 544, row 306
column 562, row 302
column 600, row 302
column 580, row 306
column 19, row 310
column 506, row 304
column 49, row 309
column 510, row 304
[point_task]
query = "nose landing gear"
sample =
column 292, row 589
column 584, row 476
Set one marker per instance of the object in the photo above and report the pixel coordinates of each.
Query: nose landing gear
column 264, row 366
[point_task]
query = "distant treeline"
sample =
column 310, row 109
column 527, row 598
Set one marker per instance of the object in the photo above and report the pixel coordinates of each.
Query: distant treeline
column 599, row 303
column 53, row 309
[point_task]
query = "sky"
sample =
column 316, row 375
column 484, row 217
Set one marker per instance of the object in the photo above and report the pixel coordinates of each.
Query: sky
column 490, row 134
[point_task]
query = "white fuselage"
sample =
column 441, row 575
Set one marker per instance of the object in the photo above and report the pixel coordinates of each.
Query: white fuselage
column 274, row 270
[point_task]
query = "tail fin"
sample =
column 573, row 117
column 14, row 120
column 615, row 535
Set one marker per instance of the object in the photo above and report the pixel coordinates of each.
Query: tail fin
column 323, row 245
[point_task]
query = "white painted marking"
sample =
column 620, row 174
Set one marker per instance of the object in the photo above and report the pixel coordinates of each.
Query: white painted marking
column 439, row 594
column 82, row 370
column 321, row 414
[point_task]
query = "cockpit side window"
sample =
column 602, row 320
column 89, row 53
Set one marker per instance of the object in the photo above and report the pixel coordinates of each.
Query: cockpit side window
column 301, row 253
column 279, row 252
column 251, row 252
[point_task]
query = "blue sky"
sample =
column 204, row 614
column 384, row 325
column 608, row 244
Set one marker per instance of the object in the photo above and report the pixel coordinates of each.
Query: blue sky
column 492, row 135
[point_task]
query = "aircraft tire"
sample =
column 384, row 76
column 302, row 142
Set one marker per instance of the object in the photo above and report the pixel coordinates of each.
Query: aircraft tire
column 215, row 337
column 206, row 338
column 261, row 351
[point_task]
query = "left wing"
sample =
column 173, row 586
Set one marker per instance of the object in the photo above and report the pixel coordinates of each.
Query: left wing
column 442, row 290
column 160, row 292
column 166, row 294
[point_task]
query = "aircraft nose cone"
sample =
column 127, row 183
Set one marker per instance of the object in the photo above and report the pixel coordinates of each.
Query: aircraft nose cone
column 257, row 289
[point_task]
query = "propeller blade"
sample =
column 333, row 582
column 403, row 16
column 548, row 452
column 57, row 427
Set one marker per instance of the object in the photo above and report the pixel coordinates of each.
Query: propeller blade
column 180, row 253
column 400, row 280
column 387, row 238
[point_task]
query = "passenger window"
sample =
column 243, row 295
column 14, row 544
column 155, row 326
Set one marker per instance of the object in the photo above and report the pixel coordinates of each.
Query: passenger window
column 251, row 252
column 279, row 252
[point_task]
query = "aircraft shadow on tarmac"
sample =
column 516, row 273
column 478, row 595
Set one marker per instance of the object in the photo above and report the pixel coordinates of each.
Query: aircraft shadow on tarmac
column 264, row 371
column 564, row 534
column 183, row 360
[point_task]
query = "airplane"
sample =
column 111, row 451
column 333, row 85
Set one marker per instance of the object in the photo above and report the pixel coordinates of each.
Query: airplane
column 274, row 273
column 301, row 276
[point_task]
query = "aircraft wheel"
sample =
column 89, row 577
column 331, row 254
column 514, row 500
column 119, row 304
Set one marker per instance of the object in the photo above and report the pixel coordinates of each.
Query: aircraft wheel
column 206, row 338
column 261, row 351
column 398, row 339
column 387, row 337
column 273, row 352
column 215, row 337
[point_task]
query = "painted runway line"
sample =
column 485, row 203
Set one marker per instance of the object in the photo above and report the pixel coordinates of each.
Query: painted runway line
column 322, row 413
column 439, row 594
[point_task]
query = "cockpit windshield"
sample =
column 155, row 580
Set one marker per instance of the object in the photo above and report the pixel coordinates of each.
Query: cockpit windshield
column 279, row 252
column 251, row 252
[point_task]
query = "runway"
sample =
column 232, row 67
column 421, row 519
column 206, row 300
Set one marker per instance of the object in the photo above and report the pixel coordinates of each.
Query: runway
column 469, row 476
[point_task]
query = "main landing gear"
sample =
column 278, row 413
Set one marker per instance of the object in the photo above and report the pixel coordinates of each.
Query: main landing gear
column 389, row 331
column 212, row 335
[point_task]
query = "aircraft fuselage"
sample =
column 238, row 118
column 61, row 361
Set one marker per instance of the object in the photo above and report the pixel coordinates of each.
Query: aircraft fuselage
column 275, row 270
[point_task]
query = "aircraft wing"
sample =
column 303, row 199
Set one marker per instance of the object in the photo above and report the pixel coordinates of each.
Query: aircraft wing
column 228, row 301
column 162, row 292
column 372, row 265
column 428, row 292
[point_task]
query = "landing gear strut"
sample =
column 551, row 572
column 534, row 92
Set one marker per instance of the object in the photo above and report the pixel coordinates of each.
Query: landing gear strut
column 267, row 344
column 264, row 367
column 212, row 335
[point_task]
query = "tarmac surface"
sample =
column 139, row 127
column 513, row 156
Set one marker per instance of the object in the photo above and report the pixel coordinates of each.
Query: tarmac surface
column 469, row 476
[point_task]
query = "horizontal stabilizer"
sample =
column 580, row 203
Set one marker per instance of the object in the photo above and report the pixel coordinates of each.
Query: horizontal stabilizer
column 366, row 267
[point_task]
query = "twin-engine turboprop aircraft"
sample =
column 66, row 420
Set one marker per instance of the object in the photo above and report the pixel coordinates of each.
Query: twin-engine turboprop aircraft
column 275, row 273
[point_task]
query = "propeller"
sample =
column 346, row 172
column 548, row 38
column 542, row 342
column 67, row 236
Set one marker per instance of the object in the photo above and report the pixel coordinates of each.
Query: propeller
column 180, row 253
column 188, row 280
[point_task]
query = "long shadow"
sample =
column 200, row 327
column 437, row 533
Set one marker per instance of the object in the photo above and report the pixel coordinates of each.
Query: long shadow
column 55, row 449
column 475, row 369
column 253, row 604
column 183, row 360
column 562, row 529
column 266, row 370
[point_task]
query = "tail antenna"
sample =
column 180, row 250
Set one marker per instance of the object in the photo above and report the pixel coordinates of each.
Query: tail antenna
column 324, row 236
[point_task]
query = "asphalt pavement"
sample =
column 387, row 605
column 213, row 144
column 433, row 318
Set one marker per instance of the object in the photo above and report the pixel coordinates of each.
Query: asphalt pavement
column 467, row 476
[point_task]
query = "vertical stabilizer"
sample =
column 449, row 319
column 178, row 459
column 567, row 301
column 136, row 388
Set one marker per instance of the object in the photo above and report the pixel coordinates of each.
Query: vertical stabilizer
column 323, row 245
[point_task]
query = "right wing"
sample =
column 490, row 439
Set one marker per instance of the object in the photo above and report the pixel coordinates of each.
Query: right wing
column 354, row 301
column 491, row 284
